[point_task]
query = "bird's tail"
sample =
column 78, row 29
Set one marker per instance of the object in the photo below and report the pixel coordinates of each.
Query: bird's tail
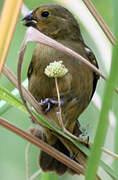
column 50, row 164
column 47, row 162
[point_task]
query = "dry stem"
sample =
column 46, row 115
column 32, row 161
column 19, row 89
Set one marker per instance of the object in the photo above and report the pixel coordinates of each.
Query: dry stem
column 59, row 105
column 8, row 20
column 44, row 146
column 60, row 116
column 110, row 153
column 35, row 175
column 7, row 72
column 100, row 21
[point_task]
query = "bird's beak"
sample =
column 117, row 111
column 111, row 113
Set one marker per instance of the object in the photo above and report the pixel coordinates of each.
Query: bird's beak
column 29, row 20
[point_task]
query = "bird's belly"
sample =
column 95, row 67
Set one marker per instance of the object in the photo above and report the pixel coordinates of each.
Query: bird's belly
column 75, row 87
column 75, row 90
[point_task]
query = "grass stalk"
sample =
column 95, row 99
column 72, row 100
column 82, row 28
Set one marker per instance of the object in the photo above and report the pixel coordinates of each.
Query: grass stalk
column 94, row 159
column 8, row 20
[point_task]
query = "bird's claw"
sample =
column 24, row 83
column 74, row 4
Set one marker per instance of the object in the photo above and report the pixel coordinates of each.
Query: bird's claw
column 48, row 103
column 73, row 156
column 84, row 136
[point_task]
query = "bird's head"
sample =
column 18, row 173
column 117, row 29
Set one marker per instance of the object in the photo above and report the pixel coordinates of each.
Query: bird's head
column 54, row 21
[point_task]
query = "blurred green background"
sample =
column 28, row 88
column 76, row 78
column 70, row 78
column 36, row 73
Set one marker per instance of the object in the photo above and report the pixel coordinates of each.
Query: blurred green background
column 12, row 147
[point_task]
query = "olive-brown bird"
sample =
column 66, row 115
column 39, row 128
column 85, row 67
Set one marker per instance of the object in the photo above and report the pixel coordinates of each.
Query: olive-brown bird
column 76, row 87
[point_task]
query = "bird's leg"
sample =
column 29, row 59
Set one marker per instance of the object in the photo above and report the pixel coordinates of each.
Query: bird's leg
column 48, row 103
column 84, row 134
column 66, row 131
column 79, row 136
column 73, row 155
column 75, row 137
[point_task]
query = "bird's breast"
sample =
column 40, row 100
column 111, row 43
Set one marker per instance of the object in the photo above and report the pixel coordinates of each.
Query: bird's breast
column 77, row 83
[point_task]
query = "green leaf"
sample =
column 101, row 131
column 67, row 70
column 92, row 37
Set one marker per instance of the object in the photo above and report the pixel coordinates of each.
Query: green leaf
column 11, row 99
column 48, row 176
column 94, row 159
column 5, row 106
column 115, row 22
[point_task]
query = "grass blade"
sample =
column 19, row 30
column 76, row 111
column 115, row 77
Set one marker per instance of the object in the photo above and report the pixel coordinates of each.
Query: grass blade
column 9, row 16
column 94, row 158
column 115, row 21
column 48, row 176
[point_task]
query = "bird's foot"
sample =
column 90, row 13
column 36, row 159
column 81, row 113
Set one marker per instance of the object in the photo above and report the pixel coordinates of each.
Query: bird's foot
column 48, row 103
column 85, row 138
column 79, row 138
column 73, row 155
column 84, row 135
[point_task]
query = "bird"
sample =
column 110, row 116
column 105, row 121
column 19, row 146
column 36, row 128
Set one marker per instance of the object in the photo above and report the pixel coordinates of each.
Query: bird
column 76, row 87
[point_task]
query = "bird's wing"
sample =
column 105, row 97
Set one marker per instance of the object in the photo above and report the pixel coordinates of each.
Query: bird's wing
column 93, row 60
column 30, row 70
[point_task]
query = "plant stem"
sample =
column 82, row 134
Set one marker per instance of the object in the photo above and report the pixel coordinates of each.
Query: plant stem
column 60, row 117
column 27, row 161
column 44, row 146
column 8, row 20
column 59, row 105
column 35, row 174
column 114, row 155
column 100, row 21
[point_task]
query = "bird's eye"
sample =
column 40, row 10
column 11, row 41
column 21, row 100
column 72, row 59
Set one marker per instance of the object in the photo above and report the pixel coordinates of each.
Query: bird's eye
column 45, row 14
